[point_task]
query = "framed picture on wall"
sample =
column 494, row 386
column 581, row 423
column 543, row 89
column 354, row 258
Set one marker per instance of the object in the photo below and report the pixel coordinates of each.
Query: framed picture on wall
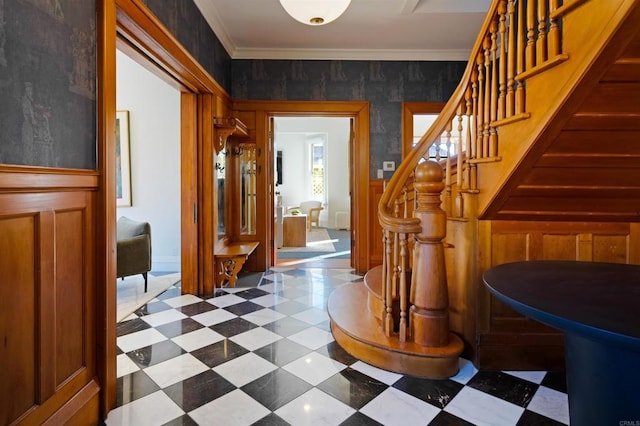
column 123, row 161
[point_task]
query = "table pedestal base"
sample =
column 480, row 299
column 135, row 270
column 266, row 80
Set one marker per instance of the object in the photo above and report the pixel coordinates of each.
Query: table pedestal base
column 602, row 381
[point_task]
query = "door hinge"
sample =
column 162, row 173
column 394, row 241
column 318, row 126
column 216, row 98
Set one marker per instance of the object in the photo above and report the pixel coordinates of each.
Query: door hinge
column 195, row 213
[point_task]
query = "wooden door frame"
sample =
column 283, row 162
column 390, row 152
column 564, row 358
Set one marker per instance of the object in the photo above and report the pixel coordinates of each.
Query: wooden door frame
column 409, row 109
column 130, row 26
column 359, row 164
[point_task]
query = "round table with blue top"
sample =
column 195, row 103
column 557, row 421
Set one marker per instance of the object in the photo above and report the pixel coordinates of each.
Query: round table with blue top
column 597, row 306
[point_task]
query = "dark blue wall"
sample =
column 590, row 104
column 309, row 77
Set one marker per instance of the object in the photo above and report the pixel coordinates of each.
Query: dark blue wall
column 47, row 80
column 48, row 83
column 384, row 84
column 184, row 20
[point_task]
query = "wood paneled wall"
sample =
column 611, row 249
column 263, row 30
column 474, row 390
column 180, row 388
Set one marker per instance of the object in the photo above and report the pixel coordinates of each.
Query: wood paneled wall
column 255, row 115
column 376, row 247
column 47, row 295
column 507, row 340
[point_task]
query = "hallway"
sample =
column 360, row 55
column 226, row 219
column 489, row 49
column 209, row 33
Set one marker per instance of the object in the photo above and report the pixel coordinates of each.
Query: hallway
column 266, row 356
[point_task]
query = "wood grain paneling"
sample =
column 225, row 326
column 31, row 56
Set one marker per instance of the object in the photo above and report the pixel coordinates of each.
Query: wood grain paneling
column 48, row 302
column 505, row 338
column 17, row 316
column 376, row 187
column 69, row 284
column 577, row 157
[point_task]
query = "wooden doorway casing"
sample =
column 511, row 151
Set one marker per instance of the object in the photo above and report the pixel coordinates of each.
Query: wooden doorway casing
column 257, row 114
column 131, row 27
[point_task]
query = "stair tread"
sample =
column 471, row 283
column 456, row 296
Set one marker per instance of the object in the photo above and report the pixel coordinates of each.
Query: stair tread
column 347, row 310
column 373, row 281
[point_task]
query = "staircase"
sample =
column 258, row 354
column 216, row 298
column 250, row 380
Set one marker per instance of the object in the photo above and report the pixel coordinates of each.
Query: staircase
column 544, row 126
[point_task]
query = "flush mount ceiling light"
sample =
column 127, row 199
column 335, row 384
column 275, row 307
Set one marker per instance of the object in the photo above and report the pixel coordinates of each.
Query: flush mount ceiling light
column 315, row 12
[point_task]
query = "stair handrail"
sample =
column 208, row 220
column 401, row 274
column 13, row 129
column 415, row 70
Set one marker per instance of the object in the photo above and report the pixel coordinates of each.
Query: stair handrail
column 406, row 168
column 518, row 40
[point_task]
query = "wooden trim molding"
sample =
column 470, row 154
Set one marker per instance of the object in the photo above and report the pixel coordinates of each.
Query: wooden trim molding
column 19, row 178
column 409, row 109
column 359, row 163
column 142, row 30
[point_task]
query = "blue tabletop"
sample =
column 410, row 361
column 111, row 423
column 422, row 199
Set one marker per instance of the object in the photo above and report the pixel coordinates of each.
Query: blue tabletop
column 597, row 300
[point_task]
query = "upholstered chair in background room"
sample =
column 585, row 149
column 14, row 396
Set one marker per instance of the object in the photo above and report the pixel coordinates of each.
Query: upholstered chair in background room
column 133, row 248
column 312, row 209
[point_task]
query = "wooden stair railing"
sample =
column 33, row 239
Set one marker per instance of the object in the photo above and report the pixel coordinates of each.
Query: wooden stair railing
column 399, row 319
column 518, row 40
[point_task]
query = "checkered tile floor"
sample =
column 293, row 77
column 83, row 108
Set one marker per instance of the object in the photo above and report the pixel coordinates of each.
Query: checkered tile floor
column 266, row 356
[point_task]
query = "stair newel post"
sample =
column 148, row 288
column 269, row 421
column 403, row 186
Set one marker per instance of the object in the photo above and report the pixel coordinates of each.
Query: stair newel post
column 429, row 313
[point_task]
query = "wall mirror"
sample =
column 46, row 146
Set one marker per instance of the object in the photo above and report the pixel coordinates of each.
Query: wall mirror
column 247, row 156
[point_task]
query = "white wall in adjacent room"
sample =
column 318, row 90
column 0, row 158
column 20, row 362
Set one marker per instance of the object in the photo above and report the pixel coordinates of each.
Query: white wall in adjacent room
column 154, row 124
column 293, row 137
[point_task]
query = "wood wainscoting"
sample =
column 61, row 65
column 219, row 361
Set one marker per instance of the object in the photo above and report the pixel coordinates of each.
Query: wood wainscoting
column 48, row 297
column 506, row 339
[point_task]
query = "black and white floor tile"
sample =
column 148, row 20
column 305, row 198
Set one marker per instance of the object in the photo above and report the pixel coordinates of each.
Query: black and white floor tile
column 266, row 356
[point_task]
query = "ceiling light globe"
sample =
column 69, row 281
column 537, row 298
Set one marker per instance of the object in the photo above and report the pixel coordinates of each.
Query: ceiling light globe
column 315, row 12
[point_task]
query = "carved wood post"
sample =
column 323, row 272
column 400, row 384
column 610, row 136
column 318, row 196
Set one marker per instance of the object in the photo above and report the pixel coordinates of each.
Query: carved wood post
column 429, row 295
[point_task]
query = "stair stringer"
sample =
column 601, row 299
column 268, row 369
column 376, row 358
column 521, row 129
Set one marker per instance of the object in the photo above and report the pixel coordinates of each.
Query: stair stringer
column 596, row 33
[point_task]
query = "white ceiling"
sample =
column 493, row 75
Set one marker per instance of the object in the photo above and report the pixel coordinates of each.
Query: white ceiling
column 368, row 30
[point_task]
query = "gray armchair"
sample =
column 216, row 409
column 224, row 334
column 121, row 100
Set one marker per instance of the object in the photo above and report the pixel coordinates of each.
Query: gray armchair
column 133, row 248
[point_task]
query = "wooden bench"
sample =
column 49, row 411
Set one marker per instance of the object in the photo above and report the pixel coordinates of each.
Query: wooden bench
column 229, row 258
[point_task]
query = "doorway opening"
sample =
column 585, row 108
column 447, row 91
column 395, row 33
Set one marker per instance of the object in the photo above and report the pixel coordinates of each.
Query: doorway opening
column 312, row 201
column 147, row 182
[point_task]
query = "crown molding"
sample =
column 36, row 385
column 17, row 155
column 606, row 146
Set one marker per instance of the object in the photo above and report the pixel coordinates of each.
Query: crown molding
column 352, row 54
column 211, row 15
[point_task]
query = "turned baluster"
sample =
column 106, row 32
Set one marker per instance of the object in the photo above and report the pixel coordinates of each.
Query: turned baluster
column 520, row 63
column 394, row 265
column 459, row 173
column 469, row 98
column 405, row 201
column 447, row 196
column 502, row 80
column 511, row 55
column 474, row 114
column 487, row 97
column 403, row 288
column 531, row 35
column 429, row 313
column 479, row 113
column 493, row 135
column 438, row 148
column 554, row 30
column 387, row 325
column 541, row 47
